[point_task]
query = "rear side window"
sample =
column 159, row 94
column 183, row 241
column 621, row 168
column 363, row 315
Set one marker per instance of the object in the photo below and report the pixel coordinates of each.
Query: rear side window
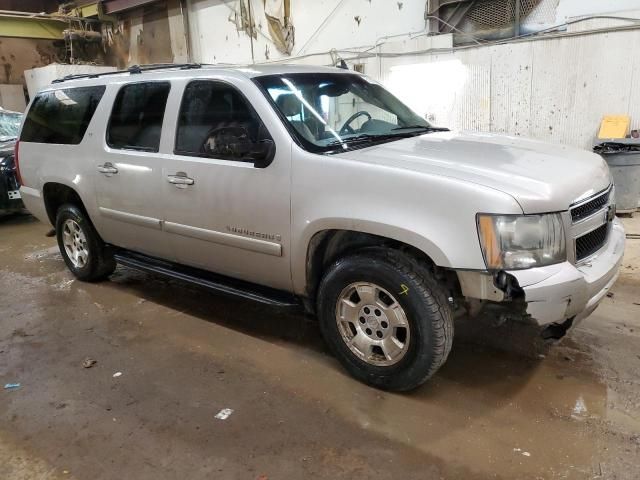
column 136, row 118
column 61, row 116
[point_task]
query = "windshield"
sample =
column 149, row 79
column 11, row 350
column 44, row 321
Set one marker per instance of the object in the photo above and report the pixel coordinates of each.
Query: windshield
column 337, row 111
column 9, row 125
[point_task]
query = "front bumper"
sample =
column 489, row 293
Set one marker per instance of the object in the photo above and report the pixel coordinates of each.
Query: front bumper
column 558, row 292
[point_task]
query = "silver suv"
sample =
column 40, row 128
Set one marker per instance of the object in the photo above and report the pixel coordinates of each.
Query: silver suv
column 316, row 186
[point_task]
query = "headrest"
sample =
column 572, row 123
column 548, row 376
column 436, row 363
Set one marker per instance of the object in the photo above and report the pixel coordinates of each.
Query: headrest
column 289, row 104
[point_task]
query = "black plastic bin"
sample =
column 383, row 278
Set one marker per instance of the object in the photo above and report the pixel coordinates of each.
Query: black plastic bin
column 623, row 158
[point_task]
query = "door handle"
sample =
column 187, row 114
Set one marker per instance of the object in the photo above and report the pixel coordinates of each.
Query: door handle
column 180, row 180
column 107, row 168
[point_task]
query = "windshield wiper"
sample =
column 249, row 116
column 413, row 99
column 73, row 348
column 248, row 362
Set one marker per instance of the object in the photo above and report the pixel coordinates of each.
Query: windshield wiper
column 426, row 128
column 367, row 137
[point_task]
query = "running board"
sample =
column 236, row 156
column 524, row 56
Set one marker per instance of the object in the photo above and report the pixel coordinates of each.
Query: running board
column 203, row 278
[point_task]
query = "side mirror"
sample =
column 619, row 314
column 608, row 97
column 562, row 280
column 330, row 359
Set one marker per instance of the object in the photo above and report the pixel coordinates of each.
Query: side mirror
column 262, row 153
column 236, row 143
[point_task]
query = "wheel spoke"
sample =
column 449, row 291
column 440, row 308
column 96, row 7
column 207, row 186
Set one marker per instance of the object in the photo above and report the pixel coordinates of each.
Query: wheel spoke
column 348, row 311
column 362, row 343
column 391, row 347
column 367, row 293
column 396, row 316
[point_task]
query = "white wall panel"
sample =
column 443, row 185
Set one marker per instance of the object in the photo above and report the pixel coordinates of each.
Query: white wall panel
column 511, row 89
column 320, row 25
column 555, row 90
column 12, row 98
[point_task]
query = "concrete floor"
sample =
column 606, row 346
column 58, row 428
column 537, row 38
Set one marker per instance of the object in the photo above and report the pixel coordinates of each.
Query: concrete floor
column 569, row 411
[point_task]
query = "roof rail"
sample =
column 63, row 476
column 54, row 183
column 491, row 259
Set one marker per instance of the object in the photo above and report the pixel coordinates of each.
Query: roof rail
column 134, row 69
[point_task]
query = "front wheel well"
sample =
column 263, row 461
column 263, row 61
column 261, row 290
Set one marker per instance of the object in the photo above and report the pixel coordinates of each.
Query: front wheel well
column 328, row 246
column 57, row 194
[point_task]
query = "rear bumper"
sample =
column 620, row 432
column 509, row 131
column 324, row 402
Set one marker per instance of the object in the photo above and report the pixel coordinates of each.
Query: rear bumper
column 34, row 202
column 558, row 292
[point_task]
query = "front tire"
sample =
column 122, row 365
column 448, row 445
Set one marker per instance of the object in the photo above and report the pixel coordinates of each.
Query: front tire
column 385, row 318
column 81, row 247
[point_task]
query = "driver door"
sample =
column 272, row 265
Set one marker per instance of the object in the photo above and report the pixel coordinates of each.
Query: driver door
column 221, row 212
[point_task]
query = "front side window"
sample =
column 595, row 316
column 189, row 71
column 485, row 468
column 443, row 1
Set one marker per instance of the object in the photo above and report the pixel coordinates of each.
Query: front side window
column 330, row 112
column 216, row 121
column 136, row 118
column 61, row 116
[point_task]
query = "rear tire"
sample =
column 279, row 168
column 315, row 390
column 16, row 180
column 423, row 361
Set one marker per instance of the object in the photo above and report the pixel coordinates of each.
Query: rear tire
column 385, row 318
column 81, row 247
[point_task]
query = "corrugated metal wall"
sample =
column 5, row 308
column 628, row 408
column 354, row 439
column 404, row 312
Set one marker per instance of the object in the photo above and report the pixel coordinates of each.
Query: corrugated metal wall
column 554, row 89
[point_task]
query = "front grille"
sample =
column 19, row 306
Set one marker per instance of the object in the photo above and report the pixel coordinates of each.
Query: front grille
column 591, row 242
column 590, row 207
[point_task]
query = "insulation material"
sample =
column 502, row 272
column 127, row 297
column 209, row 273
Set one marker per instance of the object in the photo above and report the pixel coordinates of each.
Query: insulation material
column 278, row 14
column 242, row 17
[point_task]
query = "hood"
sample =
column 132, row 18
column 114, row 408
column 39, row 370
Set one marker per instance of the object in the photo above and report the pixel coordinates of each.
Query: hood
column 542, row 177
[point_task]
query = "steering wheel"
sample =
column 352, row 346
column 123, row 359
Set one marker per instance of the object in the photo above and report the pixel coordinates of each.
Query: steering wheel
column 346, row 129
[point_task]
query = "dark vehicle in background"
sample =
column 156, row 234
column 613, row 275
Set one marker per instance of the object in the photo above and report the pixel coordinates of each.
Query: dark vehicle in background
column 10, row 201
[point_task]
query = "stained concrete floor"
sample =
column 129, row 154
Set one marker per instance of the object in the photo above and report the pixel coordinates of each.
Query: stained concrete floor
column 493, row 411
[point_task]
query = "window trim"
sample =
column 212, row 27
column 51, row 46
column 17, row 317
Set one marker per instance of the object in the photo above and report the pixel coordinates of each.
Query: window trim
column 113, row 105
column 205, row 155
column 52, row 91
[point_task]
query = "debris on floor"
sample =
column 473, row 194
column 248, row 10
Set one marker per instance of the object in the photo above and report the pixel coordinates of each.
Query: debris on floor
column 89, row 362
column 224, row 413
column 11, row 386
column 64, row 285
column 117, row 374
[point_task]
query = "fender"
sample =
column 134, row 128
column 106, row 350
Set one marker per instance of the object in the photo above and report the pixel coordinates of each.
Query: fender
column 392, row 232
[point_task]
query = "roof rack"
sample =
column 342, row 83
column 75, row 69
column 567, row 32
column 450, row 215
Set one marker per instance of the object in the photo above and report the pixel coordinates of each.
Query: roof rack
column 134, row 69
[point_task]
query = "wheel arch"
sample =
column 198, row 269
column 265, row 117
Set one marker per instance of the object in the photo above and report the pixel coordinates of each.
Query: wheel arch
column 56, row 194
column 327, row 245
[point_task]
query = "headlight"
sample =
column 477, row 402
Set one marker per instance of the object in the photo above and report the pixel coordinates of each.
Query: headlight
column 512, row 242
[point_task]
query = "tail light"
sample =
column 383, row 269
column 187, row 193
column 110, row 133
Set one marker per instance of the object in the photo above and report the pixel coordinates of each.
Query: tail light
column 17, row 163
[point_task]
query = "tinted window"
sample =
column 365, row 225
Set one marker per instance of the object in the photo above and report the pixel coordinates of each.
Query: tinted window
column 136, row 118
column 61, row 116
column 217, row 121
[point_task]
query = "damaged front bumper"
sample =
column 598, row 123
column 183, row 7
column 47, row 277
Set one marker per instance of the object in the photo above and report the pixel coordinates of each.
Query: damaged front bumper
column 552, row 294
column 558, row 292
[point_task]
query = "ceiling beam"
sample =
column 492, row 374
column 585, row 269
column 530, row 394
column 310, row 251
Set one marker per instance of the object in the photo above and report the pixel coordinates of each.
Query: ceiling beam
column 116, row 6
column 32, row 27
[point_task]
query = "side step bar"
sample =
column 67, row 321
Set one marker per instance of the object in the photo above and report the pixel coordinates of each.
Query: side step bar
column 203, row 278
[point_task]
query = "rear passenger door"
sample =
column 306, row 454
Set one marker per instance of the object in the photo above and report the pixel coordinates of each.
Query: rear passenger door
column 221, row 212
column 128, row 170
